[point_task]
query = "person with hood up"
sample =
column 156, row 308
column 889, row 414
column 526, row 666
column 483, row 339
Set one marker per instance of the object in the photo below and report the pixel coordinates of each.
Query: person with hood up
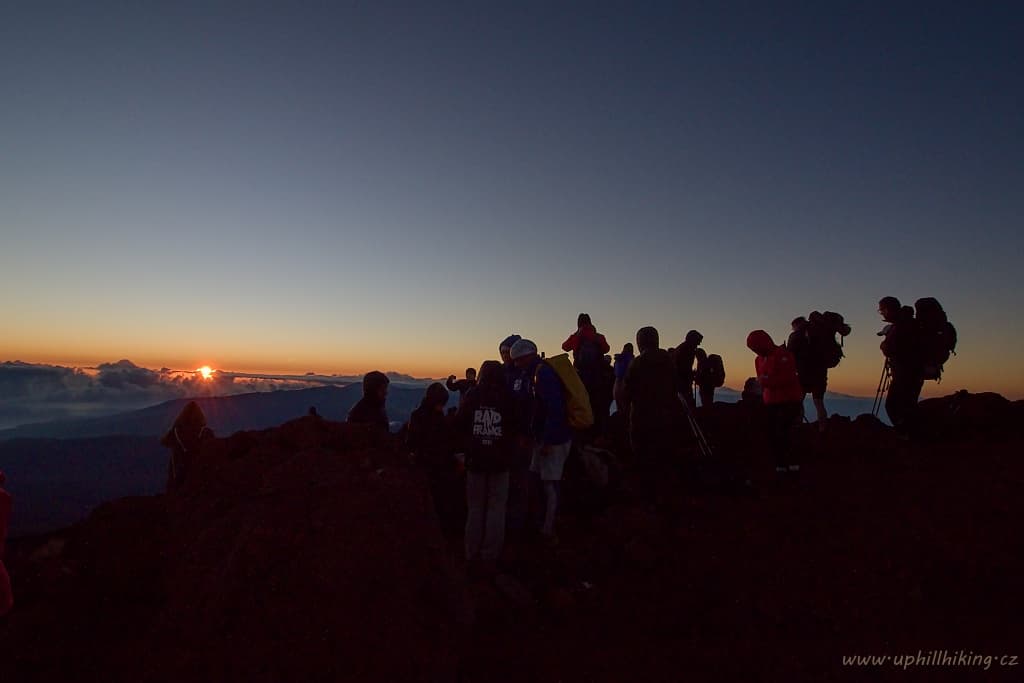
column 621, row 366
column 781, row 394
column 431, row 440
column 548, row 426
column 184, row 439
column 370, row 409
column 6, row 597
column 684, row 356
column 486, row 424
column 588, row 348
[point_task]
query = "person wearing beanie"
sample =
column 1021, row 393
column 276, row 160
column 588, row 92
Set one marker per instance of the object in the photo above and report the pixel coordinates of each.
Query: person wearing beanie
column 370, row 409
column 684, row 356
column 486, row 424
column 781, row 394
column 549, row 427
column 902, row 351
column 431, row 440
column 519, row 465
column 649, row 390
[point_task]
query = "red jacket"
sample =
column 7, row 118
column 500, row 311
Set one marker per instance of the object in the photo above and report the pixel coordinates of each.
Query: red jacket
column 588, row 332
column 776, row 370
column 6, row 599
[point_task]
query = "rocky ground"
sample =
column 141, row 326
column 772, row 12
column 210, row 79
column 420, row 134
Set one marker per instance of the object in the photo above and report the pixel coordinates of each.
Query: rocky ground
column 307, row 552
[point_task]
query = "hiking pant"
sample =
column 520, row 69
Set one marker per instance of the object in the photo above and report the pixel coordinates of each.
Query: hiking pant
column 901, row 403
column 707, row 395
column 486, row 497
column 519, row 489
column 781, row 418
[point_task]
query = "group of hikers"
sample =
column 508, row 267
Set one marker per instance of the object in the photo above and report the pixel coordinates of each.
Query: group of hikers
column 518, row 418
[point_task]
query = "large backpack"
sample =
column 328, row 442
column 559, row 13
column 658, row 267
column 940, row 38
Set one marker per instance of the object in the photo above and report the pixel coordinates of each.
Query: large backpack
column 821, row 333
column 578, row 412
column 936, row 336
column 713, row 370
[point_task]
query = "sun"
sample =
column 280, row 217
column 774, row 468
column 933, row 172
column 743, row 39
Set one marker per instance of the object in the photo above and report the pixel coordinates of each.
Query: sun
column 206, row 371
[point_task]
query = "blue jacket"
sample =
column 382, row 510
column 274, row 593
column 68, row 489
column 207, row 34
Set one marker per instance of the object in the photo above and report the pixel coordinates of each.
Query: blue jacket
column 549, row 423
column 622, row 361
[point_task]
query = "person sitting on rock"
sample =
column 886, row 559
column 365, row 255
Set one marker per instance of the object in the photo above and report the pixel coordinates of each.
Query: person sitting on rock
column 781, row 394
column 184, row 439
column 370, row 409
column 431, row 440
column 463, row 385
column 486, row 423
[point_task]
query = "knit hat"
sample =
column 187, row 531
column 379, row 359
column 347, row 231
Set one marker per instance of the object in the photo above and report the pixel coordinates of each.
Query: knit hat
column 523, row 347
column 508, row 342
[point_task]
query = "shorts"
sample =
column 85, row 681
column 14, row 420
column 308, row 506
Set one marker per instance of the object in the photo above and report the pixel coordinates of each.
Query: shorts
column 550, row 466
column 814, row 382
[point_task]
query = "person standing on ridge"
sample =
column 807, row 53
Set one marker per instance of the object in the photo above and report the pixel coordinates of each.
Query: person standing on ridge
column 588, row 348
column 810, row 366
column 431, row 440
column 184, row 439
column 486, row 424
column 549, row 427
column 684, row 356
column 621, row 367
column 370, row 409
column 781, row 394
column 655, row 411
column 519, row 465
column 710, row 375
column 902, row 351
column 463, row 385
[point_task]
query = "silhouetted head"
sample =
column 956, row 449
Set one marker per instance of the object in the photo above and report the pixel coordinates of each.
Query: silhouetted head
column 375, row 385
column 470, row 373
column 701, row 355
column 760, row 342
column 889, row 307
column 694, row 338
column 627, row 349
column 906, row 313
column 647, row 339
column 583, row 319
column 816, row 317
column 798, row 323
column 492, row 374
column 506, row 345
column 436, row 397
column 523, row 353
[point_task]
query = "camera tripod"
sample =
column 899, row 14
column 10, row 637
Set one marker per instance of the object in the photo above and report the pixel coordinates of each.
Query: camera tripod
column 883, row 388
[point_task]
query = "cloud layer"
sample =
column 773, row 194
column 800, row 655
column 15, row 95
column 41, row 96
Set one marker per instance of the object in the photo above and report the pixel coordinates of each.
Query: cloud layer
column 38, row 393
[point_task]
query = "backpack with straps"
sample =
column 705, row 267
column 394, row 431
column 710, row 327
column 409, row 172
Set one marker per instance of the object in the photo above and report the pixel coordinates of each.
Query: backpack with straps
column 936, row 336
column 579, row 415
column 712, row 371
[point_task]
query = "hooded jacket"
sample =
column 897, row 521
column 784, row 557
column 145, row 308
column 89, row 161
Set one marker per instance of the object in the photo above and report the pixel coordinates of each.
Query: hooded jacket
column 587, row 334
column 548, row 419
column 776, row 370
column 487, row 422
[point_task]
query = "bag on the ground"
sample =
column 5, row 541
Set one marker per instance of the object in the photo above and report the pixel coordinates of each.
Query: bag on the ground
column 578, row 412
column 936, row 336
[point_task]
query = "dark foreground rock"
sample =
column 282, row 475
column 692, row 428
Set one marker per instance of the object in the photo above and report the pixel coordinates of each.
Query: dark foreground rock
column 306, row 553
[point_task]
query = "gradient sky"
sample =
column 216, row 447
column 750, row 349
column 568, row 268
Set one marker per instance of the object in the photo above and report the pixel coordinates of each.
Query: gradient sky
column 336, row 187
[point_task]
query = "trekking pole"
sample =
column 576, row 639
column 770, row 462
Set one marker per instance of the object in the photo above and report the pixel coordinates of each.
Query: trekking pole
column 883, row 388
column 698, row 433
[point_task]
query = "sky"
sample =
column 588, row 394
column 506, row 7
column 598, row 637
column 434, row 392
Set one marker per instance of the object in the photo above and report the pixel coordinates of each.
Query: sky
column 340, row 187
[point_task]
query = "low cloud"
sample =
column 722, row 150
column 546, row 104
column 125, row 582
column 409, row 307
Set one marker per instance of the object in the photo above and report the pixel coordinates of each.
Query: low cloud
column 40, row 393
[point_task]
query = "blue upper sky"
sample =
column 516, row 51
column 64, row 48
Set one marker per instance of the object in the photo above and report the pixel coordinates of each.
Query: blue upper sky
column 335, row 187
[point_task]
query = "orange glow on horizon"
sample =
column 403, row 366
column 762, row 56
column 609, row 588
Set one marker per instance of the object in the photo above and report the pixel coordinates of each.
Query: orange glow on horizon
column 206, row 371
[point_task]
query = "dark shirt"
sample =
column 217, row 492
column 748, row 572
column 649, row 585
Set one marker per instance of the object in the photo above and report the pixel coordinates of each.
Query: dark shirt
column 651, row 389
column 486, row 423
column 369, row 411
